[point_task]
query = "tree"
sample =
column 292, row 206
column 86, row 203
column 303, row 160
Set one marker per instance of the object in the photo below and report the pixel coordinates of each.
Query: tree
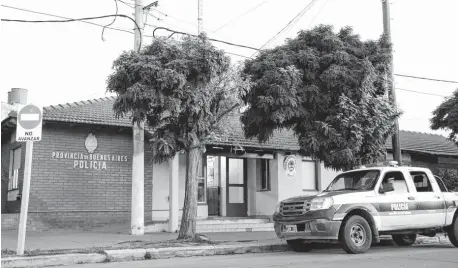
column 180, row 89
column 329, row 88
column 445, row 116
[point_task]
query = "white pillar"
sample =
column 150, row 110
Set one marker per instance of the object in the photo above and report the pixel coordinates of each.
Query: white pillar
column 173, row 193
column 251, row 186
column 223, row 186
column 138, row 166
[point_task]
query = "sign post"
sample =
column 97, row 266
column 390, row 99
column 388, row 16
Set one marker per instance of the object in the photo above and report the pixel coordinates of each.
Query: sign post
column 28, row 129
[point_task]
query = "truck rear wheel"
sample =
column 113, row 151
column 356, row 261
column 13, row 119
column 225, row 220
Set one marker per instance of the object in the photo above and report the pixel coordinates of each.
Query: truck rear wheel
column 299, row 245
column 452, row 231
column 404, row 240
column 355, row 235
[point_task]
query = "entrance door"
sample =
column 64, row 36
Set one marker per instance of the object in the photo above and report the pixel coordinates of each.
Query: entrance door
column 236, row 188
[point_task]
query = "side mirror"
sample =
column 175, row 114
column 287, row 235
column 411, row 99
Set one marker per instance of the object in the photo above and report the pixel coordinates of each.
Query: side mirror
column 386, row 187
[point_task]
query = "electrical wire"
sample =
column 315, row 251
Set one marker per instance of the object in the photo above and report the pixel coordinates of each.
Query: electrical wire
column 432, row 79
column 73, row 20
column 216, row 40
column 61, row 17
column 318, row 13
column 240, row 16
column 300, row 14
column 129, row 5
column 114, row 19
column 426, row 93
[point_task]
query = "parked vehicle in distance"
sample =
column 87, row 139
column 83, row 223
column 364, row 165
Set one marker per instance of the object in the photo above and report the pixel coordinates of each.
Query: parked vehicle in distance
column 363, row 204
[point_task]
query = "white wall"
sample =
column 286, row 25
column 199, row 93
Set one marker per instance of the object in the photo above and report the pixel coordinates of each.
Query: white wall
column 266, row 201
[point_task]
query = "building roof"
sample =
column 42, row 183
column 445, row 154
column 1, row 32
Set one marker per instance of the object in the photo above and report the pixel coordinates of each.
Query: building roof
column 100, row 111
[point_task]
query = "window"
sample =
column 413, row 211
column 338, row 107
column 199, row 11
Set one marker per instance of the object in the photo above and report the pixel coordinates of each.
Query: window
column 13, row 179
column 358, row 180
column 421, row 181
column 265, row 175
column 201, row 182
column 441, row 184
column 398, row 181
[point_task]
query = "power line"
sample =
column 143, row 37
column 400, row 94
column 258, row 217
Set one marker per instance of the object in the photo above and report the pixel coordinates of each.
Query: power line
column 426, row 93
column 240, row 16
column 212, row 39
column 114, row 19
column 61, row 17
column 432, row 79
column 300, row 14
column 318, row 13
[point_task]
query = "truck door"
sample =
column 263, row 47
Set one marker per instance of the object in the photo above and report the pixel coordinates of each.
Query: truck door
column 430, row 201
column 397, row 206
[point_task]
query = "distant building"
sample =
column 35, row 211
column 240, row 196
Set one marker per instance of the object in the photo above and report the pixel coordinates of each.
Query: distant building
column 81, row 171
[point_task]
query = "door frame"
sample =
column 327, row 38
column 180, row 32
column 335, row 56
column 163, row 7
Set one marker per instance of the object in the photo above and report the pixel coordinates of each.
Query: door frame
column 245, row 187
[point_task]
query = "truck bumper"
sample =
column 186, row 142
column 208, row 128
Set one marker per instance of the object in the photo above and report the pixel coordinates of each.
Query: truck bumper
column 311, row 230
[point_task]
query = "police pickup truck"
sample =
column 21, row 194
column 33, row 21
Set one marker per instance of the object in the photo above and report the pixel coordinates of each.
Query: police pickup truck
column 363, row 204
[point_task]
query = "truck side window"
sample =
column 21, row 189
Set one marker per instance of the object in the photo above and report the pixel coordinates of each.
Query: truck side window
column 421, row 181
column 441, row 184
column 399, row 182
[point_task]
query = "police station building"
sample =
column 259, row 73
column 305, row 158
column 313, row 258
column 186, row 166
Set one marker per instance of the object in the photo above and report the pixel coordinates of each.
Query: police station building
column 82, row 174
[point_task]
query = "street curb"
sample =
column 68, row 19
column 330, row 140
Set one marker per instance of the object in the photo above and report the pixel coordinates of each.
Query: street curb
column 139, row 254
column 160, row 253
column 52, row 260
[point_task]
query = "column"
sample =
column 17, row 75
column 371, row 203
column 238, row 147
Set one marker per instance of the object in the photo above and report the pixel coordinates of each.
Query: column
column 138, row 166
column 173, row 193
column 223, row 186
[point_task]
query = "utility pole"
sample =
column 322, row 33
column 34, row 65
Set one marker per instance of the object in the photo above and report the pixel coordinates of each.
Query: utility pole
column 387, row 30
column 199, row 16
column 138, row 159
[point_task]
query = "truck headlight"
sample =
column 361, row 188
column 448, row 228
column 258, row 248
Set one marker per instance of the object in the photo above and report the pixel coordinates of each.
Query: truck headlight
column 321, row 203
column 277, row 208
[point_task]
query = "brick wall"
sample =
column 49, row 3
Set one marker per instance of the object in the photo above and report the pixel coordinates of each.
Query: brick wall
column 64, row 196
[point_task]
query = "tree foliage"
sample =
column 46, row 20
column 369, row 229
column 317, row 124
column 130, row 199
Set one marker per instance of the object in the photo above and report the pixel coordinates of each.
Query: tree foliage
column 329, row 88
column 445, row 116
column 180, row 89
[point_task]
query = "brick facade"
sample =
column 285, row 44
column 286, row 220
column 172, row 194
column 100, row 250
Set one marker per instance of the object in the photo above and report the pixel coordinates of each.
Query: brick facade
column 64, row 196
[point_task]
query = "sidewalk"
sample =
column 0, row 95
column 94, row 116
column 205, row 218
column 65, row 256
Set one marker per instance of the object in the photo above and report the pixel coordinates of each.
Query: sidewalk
column 113, row 235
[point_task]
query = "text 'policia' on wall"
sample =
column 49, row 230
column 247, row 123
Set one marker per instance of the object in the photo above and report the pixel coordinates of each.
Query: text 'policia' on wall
column 89, row 161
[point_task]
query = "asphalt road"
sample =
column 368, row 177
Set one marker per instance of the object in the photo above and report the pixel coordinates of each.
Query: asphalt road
column 383, row 256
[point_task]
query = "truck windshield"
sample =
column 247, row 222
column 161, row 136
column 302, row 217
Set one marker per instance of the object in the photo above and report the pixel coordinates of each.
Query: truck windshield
column 357, row 180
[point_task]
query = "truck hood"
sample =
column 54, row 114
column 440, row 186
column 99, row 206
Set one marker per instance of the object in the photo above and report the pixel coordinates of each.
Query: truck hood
column 321, row 194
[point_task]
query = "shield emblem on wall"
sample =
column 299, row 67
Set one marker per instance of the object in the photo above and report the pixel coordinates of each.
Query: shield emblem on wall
column 91, row 143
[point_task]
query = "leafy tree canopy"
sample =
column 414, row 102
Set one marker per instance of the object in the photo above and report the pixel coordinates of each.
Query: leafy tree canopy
column 179, row 87
column 445, row 116
column 329, row 88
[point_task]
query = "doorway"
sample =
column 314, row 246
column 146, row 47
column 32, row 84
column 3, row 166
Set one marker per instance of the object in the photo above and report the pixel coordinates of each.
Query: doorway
column 236, row 188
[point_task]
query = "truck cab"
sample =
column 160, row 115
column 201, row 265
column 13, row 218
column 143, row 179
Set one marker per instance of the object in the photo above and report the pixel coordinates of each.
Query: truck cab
column 362, row 204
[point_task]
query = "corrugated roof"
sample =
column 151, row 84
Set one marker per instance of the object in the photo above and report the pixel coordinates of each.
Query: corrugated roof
column 100, row 111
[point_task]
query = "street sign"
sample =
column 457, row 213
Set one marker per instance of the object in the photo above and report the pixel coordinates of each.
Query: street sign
column 29, row 123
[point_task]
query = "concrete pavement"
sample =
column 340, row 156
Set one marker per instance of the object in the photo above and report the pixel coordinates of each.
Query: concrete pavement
column 113, row 235
column 419, row 256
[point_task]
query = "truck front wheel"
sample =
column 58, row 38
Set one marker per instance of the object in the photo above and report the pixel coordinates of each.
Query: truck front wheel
column 452, row 231
column 299, row 245
column 355, row 235
column 404, row 240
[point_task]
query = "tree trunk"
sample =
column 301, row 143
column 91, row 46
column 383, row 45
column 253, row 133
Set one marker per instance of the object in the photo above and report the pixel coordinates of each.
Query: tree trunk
column 188, row 220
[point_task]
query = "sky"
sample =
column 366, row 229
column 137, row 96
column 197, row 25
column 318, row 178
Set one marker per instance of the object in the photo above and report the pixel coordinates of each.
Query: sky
column 67, row 62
